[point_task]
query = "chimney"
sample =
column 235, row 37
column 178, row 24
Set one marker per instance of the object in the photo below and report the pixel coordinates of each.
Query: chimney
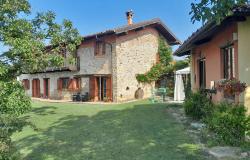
column 129, row 15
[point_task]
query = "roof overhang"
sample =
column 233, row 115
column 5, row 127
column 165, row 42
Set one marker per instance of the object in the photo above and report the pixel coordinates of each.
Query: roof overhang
column 207, row 31
column 156, row 23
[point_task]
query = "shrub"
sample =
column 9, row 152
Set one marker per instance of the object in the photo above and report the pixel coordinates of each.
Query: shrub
column 13, row 103
column 198, row 106
column 229, row 124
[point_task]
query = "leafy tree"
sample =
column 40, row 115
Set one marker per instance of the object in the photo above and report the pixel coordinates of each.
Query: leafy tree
column 33, row 45
column 207, row 10
column 181, row 64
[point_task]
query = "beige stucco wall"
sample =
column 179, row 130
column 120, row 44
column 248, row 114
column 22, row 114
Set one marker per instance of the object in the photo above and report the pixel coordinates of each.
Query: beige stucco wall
column 135, row 54
column 53, row 82
column 244, row 58
column 53, row 77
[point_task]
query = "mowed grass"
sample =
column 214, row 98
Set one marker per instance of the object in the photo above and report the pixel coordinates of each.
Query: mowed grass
column 132, row 131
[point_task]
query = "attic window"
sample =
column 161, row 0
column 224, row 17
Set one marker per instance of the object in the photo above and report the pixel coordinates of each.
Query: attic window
column 100, row 48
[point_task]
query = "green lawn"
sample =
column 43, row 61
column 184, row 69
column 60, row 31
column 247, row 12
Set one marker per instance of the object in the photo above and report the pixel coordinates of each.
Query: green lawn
column 133, row 131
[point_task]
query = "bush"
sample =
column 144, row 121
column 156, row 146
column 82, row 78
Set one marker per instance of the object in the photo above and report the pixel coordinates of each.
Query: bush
column 229, row 124
column 13, row 103
column 198, row 106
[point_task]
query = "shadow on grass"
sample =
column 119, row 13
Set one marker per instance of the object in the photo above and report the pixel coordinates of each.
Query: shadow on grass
column 144, row 132
column 45, row 110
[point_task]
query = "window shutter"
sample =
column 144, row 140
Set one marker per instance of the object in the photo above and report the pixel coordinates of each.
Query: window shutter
column 92, row 87
column 96, row 48
column 103, row 48
column 109, row 87
column 74, row 80
column 70, row 85
column 78, row 83
column 33, row 88
column 28, row 84
column 233, row 63
column 38, row 88
column 59, row 84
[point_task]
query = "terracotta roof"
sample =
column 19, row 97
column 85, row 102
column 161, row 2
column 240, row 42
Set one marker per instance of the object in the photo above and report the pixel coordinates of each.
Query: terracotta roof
column 209, row 29
column 156, row 23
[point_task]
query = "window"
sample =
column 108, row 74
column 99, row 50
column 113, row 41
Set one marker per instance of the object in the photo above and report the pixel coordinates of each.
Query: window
column 100, row 49
column 228, row 62
column 65, row 83
column 26, row 84
column 202, row 72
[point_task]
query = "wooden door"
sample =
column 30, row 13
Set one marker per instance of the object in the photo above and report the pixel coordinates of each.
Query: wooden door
column 93, row 88
column 46, row 87
column 109, row 88
column 36, row 88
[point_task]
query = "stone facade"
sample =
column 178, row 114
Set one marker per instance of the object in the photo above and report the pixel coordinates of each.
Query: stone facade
column 135, row 54
column 126, row 56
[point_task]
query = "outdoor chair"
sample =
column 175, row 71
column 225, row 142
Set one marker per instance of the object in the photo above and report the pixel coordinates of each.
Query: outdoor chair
column 162, row 92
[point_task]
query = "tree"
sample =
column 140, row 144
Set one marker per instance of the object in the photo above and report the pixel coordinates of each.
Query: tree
column 33, row 45
column 208, row 10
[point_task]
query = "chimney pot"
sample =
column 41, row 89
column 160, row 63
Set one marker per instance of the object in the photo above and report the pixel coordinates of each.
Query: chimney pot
column 129, row 15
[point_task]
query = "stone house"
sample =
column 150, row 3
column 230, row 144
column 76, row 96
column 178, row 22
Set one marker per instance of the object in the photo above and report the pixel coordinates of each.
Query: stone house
column 107, row 64
column 221, row 52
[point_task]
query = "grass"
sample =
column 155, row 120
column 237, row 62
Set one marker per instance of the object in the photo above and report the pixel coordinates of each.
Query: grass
column 132, row 131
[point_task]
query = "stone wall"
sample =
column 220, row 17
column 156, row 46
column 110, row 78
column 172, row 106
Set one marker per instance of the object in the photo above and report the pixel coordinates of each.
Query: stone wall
column 135, row 54
column 91, row 64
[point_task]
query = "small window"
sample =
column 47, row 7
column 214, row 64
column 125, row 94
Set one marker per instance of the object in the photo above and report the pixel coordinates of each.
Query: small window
column 100, row 49
column 228, row 62
column 26, row 84
column 65, row 83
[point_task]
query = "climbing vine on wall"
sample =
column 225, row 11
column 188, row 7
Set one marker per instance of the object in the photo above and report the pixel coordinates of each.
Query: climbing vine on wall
column 163, row 66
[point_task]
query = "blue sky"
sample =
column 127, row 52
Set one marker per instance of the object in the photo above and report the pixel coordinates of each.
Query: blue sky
column 90, row 16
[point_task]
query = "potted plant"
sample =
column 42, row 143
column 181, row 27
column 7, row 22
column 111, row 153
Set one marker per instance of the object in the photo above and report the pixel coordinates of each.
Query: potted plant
column 231, row 87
